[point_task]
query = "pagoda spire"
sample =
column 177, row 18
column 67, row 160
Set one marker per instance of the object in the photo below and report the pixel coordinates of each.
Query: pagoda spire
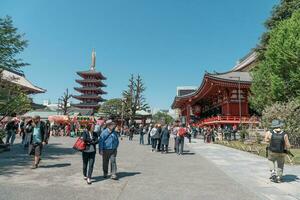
column 93, row 66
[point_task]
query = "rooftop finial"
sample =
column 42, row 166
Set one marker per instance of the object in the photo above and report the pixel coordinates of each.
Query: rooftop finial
column 93, row 66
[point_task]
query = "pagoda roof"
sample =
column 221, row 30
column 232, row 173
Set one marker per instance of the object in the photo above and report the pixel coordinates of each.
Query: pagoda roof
column 20, row 80
column 85, row 105
column 97, row 82
column 96, row 97
column 98, row 90
column 212, row 80
column 94, row 73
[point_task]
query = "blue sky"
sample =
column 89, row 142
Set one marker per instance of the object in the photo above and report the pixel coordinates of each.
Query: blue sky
column 169, row 43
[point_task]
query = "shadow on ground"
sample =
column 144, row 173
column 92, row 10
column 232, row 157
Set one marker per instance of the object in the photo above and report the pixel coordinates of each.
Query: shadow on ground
column 121, row 175
column 12, row 162
column 56, row 165
column 290, row 178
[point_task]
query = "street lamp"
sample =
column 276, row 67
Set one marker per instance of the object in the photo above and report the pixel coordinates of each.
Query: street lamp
column 240, row 101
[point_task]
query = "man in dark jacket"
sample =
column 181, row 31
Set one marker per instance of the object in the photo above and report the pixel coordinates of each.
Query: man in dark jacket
column 38, row 139
column 11, row 130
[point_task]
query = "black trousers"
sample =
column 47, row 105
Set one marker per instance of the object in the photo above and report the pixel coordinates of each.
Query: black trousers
column 154, row 143
column 88, row 163
column 164, row 148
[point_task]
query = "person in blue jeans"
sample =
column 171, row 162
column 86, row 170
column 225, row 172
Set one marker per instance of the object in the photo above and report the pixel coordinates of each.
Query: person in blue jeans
column 108, row 148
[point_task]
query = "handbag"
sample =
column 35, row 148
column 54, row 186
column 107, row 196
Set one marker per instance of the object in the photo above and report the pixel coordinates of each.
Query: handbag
column 79, row 145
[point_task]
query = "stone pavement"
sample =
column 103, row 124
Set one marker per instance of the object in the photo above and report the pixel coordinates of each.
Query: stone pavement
column 251, row 171
column 143, row 175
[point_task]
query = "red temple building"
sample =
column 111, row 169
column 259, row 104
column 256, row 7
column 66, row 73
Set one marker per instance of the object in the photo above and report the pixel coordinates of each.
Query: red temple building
column 221, row 99
column 91, row 87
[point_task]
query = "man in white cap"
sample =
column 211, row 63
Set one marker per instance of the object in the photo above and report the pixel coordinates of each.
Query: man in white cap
column 108, row 146
column 278, row 145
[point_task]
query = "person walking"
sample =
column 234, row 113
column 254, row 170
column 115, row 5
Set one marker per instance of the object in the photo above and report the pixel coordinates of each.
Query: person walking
column 154, row 137
column 22, row 129
column 141, row 133
column 159, row 130
column 174, row 134
column 38, row 139
column 278, row 147
column 108, row 147
column 182, row 131
column 148, row 134
column 27, row 132
column 165, row 136
column 131, row 132
column 11, row 129
column 88, row 155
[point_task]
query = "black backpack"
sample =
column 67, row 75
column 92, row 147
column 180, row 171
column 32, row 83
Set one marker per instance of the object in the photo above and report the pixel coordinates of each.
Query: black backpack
column 277, row 143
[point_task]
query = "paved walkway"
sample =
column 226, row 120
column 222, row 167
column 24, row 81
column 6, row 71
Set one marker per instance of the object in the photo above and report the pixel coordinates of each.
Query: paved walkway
column 250, row 171
column 143, row 175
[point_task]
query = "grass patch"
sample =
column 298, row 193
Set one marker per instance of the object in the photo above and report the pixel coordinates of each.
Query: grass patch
column 258, row 149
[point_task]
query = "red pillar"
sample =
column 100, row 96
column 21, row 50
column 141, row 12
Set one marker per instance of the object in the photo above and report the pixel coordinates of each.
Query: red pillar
column 188, row 114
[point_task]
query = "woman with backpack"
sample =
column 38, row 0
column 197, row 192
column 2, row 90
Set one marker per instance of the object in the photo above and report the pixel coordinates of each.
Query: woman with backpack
column 182, row 131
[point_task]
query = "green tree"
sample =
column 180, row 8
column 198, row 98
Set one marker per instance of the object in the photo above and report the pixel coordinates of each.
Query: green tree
column 112, row 108
column 282, row 11
column 277, row 76
column 163, row 118
column 134, row 97
column 289, row 112
column 12, row 43
column 13, row 101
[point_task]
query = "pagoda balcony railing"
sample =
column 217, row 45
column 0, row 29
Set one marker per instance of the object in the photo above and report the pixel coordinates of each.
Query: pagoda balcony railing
column 229, row 119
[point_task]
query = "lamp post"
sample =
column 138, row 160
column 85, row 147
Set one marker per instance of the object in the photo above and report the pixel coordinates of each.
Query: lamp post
column 240, row 101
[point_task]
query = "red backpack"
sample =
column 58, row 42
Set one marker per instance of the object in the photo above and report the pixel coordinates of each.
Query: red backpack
column 182, row 132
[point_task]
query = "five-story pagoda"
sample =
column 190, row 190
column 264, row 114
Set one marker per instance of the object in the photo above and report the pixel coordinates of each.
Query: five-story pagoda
column 91, row 87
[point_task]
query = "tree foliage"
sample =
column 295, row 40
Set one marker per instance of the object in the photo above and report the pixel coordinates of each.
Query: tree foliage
column 134, row 99
column 282, row 11
column 288, row 112
column 112, row 108
column 64, row 104
column 12, row 99
column 11, row 44
column 163, row 118
column 277, row 76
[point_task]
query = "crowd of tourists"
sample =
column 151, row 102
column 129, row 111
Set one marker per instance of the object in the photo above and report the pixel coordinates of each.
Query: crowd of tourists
column 158, row 136
column 35, row 135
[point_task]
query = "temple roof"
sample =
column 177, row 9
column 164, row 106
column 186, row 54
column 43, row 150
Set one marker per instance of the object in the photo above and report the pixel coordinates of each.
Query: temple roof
column 19, row 79
column 229, row 79
column 245, row 63
column 232, row 76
